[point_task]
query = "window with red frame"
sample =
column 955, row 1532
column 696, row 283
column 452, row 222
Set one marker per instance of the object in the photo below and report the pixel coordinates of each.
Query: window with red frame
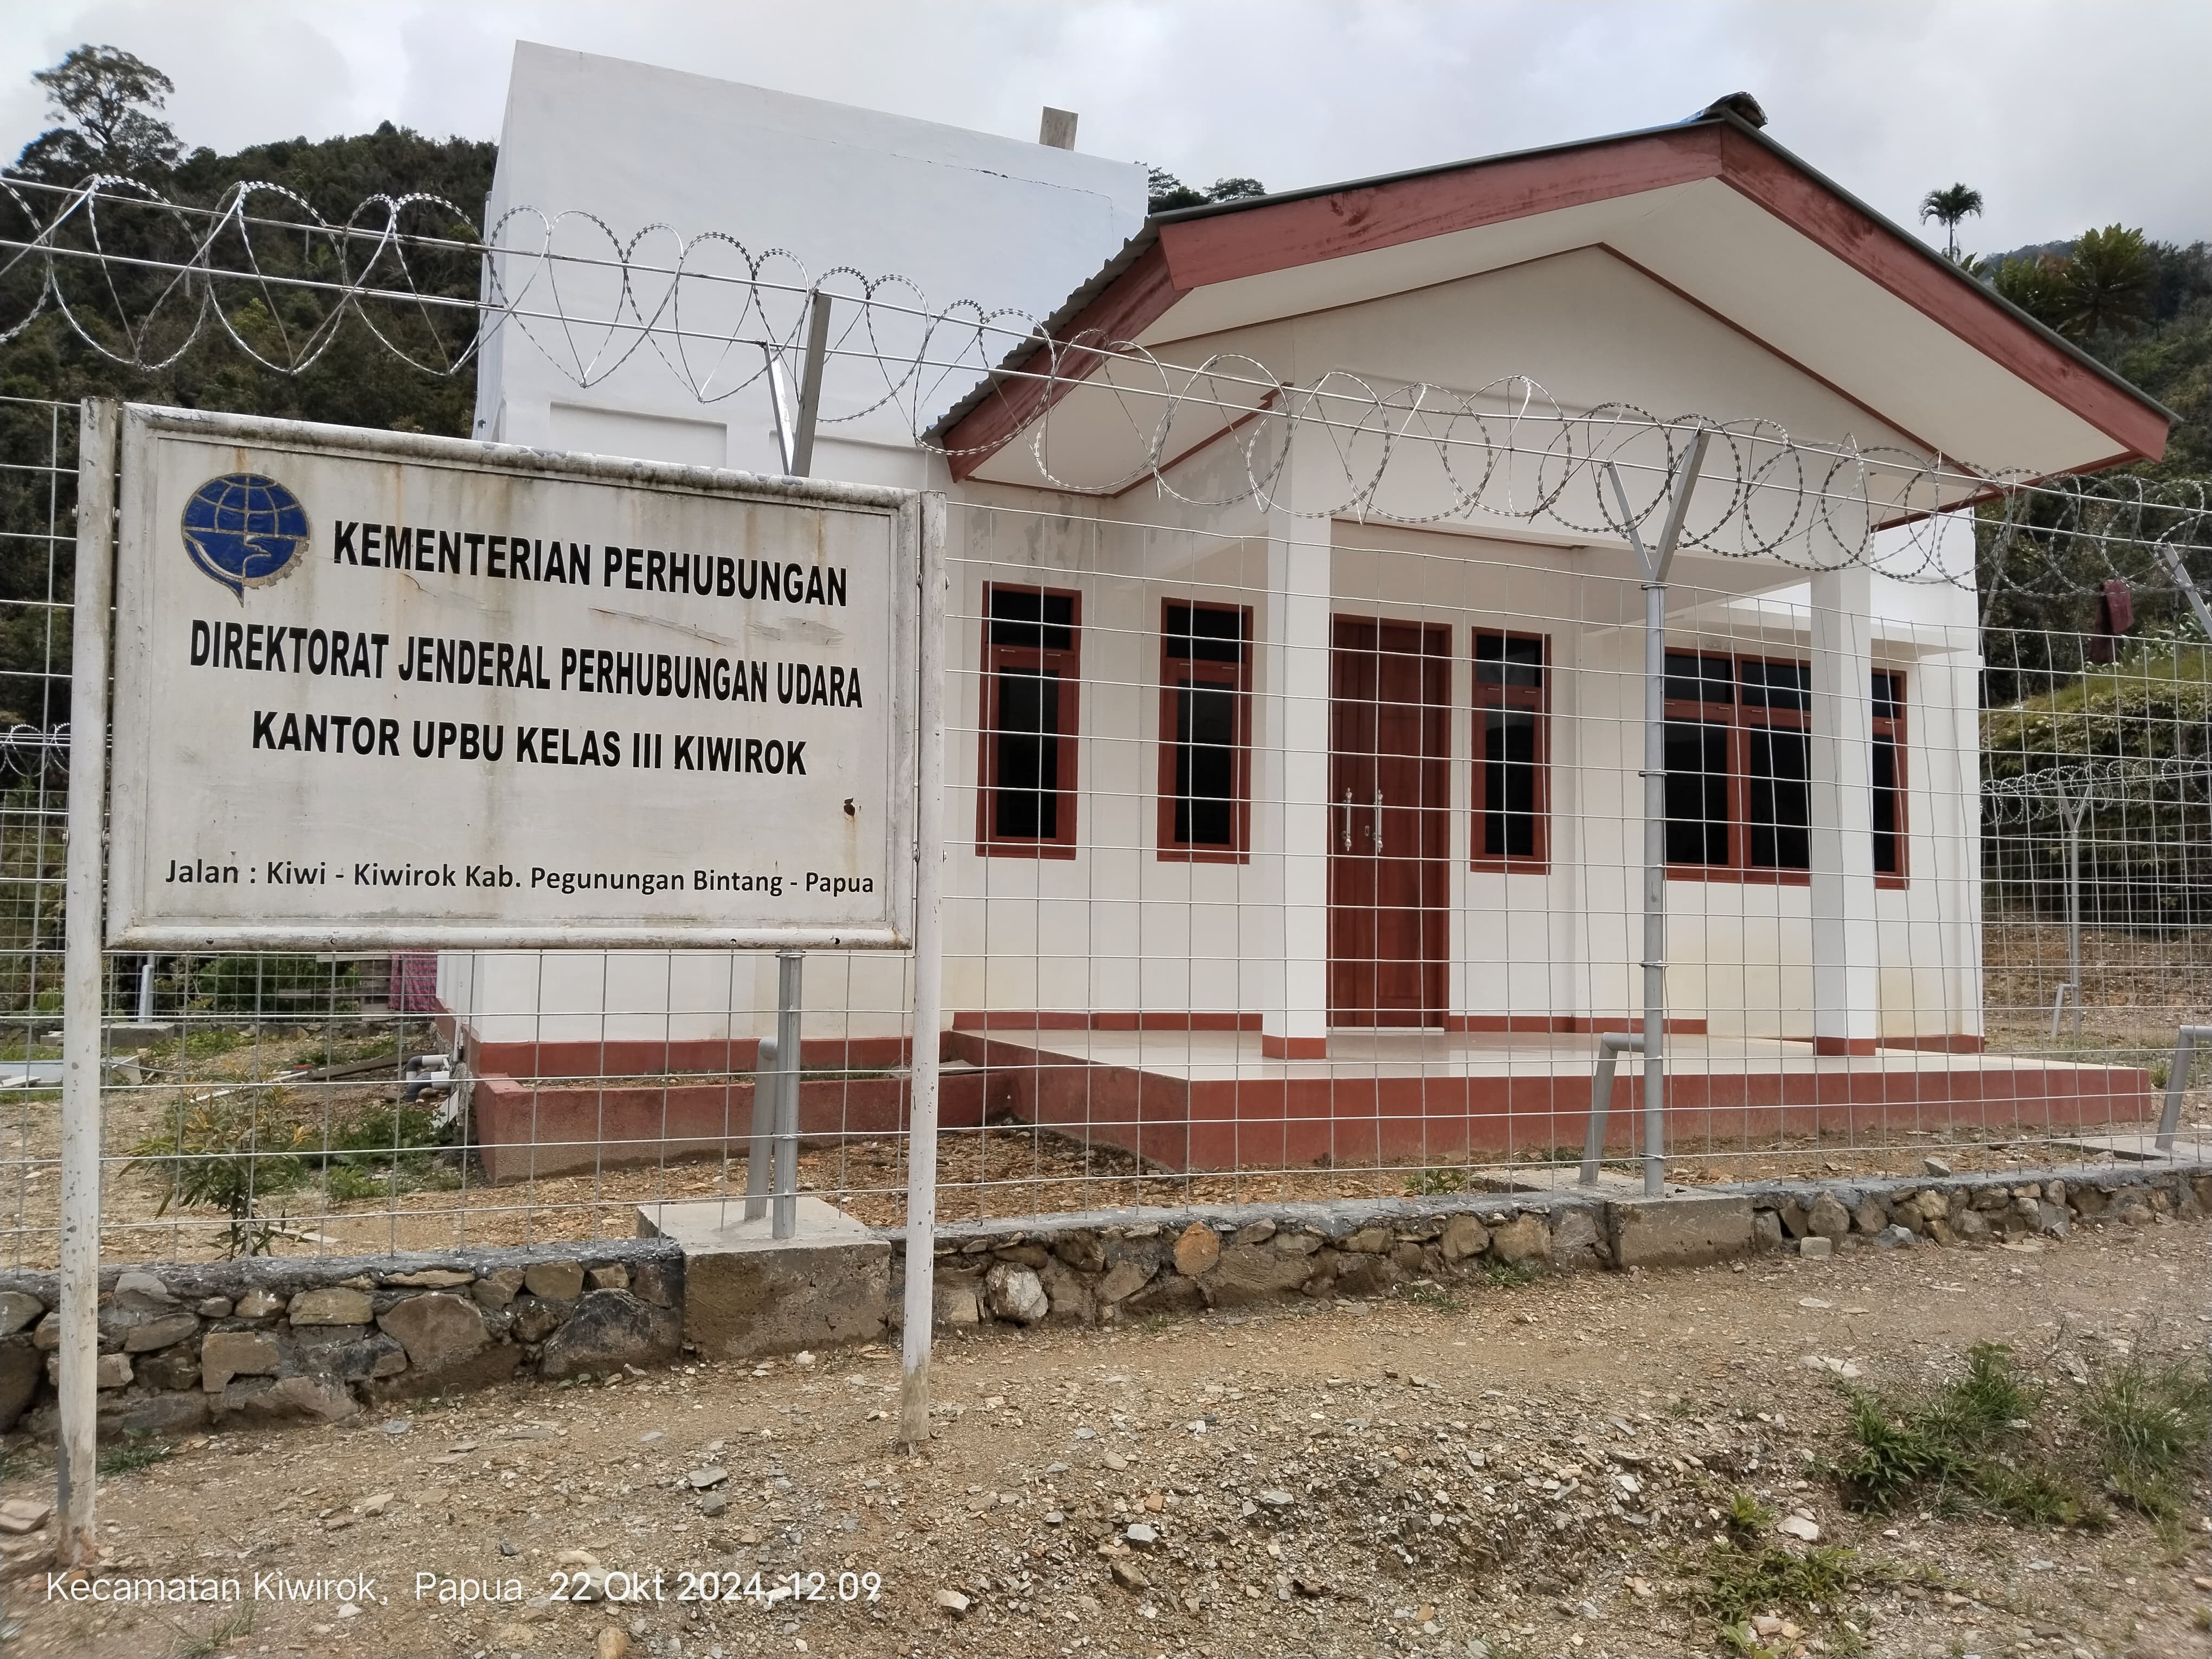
column 1512, row 751
column 1738, row 790
column 1890, row 843
column 1205, row 733
column 1031, row 678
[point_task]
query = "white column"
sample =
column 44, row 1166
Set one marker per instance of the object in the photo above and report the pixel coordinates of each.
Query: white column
column 1291, row 786
column 1847, row 949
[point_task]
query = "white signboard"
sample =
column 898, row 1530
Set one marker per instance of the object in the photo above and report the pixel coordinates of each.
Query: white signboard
column 374, row 688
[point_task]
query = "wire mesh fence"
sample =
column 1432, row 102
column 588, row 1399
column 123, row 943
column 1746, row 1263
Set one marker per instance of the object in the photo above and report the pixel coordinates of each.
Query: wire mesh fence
column 1286, row 859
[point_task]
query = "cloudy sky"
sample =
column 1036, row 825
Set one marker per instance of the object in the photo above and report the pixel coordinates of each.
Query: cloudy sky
column 2065, row 115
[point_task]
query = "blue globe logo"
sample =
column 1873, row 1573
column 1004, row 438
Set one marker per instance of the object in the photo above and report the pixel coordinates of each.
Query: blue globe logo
column 244, row 531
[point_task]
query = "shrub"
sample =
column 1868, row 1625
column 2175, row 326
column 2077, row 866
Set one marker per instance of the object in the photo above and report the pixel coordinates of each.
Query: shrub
column 389, row 1148
column 281, row 986
column 229, row 1150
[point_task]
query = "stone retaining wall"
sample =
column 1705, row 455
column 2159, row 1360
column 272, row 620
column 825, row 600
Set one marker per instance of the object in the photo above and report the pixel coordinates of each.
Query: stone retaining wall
column 1103, row 1268
column 1965, row 1209
column 321, row 1338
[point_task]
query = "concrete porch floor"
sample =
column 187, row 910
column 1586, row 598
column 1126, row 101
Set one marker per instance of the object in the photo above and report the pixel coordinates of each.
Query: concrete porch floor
column 1212, row 1100
column 1206, row 1056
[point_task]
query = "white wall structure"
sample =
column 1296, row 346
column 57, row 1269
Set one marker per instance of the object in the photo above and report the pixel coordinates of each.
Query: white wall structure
column 596, row 152
column 1749, row 293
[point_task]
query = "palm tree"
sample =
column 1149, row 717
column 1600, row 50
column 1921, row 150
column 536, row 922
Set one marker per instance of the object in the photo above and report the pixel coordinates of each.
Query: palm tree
column 2107, row 282
column 1946, row 207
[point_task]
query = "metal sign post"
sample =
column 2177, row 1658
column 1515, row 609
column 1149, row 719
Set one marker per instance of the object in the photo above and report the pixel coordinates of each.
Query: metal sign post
column 311, row 629
column 78, row 1356
column 928, row 992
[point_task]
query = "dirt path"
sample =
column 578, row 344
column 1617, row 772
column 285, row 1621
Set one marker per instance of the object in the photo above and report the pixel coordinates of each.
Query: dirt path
column 1537, row 1469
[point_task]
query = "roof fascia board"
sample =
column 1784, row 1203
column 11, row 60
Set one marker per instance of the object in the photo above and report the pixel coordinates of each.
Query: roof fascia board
column 1202, row 249
column 1123, row 309
column 1768, row 176
column 1308, row 230
column 1201, row 246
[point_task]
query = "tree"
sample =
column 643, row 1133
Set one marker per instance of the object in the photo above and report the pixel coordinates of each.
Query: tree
column 1947, row 208
column 2107, row 285
column 1169, row 192
column 108, row 101
column 2036, row 285
column 357, row 380
column 1235, row 190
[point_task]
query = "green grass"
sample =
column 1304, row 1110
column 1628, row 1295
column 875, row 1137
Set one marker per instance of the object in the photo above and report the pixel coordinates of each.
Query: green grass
column 1431, row 1295
column 2164, row 680
column 388, row 1149
column 1747, row 1518
column 234, row 1151
column 1735, row 1580
column 2135, row 1433
column 1967, row 1447
column 238, row 1622
column 135, row 1453
column 2148, row 1424
column 1511, row 1275
column 197, row 1042
column 1436, row 1183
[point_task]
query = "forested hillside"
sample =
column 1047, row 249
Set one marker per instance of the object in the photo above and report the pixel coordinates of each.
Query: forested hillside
column 2143, row 307
column 354, row 379
column 108, row 108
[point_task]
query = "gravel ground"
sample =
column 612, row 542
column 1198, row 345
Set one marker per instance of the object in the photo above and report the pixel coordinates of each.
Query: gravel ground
column 1512, row 1470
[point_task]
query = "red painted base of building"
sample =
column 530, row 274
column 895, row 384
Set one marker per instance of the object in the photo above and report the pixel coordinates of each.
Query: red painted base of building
column 560, row 1109
column 1343, row 1112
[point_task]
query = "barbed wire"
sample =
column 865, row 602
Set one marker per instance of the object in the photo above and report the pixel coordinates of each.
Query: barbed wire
column 2028, row 795
column 26, row 750
column 141, row 279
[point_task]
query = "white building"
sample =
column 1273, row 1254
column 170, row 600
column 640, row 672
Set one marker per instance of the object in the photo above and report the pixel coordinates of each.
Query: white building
column 1326, row 758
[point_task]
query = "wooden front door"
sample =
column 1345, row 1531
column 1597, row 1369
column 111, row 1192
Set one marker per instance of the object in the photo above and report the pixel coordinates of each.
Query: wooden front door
column 1389, row 821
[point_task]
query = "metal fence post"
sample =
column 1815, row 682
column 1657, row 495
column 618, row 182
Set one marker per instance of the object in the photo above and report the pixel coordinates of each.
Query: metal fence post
column 78, row 1357
column 2187, row 584
column 1611, row 1045
column 928, row 990
column 2075, row 813
column 1656, row 562
column 784, row 1205
column 2177, row 1081
column 760, row 1147
column 809, row 383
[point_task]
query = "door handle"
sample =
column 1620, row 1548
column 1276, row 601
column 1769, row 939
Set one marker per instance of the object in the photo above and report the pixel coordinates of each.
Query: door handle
column 1347, row 820
column 1378, row 820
